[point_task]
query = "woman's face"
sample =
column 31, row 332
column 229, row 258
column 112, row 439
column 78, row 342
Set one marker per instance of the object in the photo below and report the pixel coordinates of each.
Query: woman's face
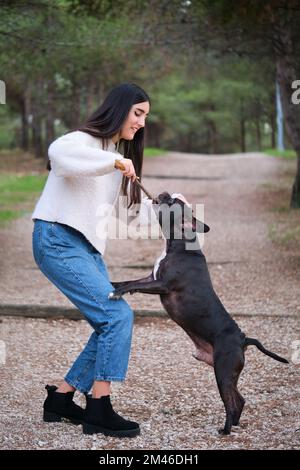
column 135, row 120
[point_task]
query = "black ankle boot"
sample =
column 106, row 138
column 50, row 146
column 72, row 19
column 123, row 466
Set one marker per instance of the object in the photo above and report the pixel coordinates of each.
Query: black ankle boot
column 101, row 418
column 61, row 405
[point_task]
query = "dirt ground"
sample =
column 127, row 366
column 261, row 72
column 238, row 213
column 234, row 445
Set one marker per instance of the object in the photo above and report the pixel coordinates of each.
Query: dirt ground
column 253, row 256
column 253, row 264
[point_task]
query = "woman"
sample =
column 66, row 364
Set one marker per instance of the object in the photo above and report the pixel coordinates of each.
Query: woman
column 69, row 242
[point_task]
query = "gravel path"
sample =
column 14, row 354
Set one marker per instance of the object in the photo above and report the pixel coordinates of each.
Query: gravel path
column 246, row 268
column 173, row 396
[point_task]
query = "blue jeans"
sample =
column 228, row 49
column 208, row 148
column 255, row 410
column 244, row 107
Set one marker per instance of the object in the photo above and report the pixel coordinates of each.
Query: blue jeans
column 77, row 269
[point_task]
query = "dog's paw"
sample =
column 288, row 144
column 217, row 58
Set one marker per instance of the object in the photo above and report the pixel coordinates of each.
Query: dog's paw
column 114, row 296
column 223, row 432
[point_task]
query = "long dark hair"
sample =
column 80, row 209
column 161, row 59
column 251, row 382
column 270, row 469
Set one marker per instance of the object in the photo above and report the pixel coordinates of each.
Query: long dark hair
column 108, row 120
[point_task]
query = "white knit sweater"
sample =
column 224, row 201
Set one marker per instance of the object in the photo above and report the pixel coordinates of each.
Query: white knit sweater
column 81, row 180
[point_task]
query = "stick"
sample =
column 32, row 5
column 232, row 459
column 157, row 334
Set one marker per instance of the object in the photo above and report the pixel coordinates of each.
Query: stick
column 120, row 166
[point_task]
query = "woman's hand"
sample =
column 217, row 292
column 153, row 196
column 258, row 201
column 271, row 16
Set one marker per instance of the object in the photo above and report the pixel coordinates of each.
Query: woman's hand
column 126, row 167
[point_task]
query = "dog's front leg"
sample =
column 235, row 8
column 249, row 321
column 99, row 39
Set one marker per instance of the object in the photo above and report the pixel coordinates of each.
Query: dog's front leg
column 117, row 285
column 150, row 286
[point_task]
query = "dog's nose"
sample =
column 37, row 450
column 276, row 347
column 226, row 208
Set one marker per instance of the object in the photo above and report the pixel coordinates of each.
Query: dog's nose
column 164, row 197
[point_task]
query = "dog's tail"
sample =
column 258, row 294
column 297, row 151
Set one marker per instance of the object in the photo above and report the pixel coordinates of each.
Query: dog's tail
column 255, row 342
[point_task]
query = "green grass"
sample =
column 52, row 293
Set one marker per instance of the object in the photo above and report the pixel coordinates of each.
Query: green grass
column 287, row 154
column 281, row 209
column 268, row 185
column 25, row 183
column 15, row 194
column 7, row 216
column 291, row 234
column 153, row 152
column 277, row 235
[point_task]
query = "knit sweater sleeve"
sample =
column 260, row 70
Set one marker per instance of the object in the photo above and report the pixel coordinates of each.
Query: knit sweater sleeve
column 73, row 155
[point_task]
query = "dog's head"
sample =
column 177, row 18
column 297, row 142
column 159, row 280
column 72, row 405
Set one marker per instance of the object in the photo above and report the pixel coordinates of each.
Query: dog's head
column 176, row 217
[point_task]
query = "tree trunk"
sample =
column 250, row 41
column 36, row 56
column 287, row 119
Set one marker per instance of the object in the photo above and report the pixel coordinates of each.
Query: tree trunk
column 273, row 130
column 153, row 134
column 25, row 109
column 242, row 128
column 258, row 133
column 75, row 107
column 213, row 137
column 50, row 113
column 286, row 74
column 100, row 92
column 37, row 121
column 91, row 93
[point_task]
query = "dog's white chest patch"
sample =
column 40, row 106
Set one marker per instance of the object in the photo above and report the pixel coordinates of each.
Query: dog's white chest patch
column 164, row 253
column 157, row 262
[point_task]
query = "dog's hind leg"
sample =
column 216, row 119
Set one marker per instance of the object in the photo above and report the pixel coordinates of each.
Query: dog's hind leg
column 239, row 410
column 228, row 366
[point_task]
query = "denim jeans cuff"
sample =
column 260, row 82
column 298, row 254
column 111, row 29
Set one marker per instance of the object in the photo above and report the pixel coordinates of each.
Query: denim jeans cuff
column 76, row 385
column 109, row 378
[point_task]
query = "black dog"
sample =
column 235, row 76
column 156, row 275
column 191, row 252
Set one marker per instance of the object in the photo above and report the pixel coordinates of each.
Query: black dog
column 183, row 282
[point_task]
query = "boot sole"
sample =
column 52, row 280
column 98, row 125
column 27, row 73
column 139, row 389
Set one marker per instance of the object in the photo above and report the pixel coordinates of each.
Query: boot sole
column 50, row 417
column 94, row 429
